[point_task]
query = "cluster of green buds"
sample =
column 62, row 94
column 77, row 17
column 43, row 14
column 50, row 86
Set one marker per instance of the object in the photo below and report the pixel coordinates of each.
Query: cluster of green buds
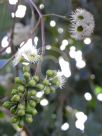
column 23, row 101
column 51, row 82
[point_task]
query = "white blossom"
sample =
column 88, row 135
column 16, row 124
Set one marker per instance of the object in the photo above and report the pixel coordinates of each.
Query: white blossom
column 82, row 15
column 27, row 53
column 82, row 24
column 80, row 30
column 61, row 79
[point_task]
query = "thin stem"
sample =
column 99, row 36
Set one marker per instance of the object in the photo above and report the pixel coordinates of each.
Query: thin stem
column 42, row 25
column 41, row 21
column 43, row 35
column 37, row 24
column 7, row 62
column 21, row 46
column 36, row 8
column 28, row 133
column 57, row 15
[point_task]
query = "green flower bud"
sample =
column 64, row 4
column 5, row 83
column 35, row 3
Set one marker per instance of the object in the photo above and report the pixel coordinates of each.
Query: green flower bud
column 27, row 76
column 14, row 119
column 56, row 82
column 21, row 106
column 50, row 73
column 13, row 109
column 26, row 68
column 40, row 86
column 32, row 93
column 32, row 103
column 47, row 90
column 29, row 118
column 21, row 124
column 34, row 112
column 14, row 91
column 21, row 112
column 21, row 88
column 18, row 80
column 15, row 98
column 32, row 83
column 7, row 104
column 46, row 82
column 52, row 89
column 20, row 94
column 36, row 78
column 31, row 110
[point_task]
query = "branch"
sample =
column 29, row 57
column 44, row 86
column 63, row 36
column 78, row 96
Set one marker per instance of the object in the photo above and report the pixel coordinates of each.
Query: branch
column 56, row 15
column 26, row 130
column 41, row 21
column 42, row 25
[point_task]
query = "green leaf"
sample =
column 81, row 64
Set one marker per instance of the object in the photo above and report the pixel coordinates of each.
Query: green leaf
column 98, row 89
column 1, row 115
column 6, row 20
column 2, row 91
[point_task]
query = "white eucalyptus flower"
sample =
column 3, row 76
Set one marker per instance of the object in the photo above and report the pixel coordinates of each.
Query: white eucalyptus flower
column 82, row 24
column 27, row 53
column 18, row 57
column 80, row 30
column 61, row 79
column 82, row 15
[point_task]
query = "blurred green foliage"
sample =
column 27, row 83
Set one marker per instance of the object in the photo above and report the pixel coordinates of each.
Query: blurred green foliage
column 71, row 99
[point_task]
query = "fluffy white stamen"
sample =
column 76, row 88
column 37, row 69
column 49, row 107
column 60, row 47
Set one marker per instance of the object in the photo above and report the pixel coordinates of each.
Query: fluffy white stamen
column 27, row 53
column 61, row 79
column 82, row 24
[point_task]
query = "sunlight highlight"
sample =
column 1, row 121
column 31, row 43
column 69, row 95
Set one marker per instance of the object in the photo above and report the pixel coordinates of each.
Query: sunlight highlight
column 8, row 50
column 21, row 11
column 41, row 6
column 44, row 102
column 77, row 55
column 87, row 41
column 36, row 40
column 13, row 2
column 52, row 23
column 60, row 30
column 40, row 94
column 4, row 42
column 81, row 119
column 64, row 44
column 88, row 96
column 65, row 68
column 99, row 97
column 65, row 126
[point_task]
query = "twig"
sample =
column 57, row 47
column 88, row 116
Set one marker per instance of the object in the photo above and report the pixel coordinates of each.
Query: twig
column 42, row 25
column 43, row 35
column 37, row 24
column 57, row 15
column 28, row 133
column 41, row 21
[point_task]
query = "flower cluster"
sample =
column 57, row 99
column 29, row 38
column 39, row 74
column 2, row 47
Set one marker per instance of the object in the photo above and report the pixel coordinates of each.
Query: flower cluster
column 56, row 78
column 28, row 53
column 82, row 24
column 23, row 101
